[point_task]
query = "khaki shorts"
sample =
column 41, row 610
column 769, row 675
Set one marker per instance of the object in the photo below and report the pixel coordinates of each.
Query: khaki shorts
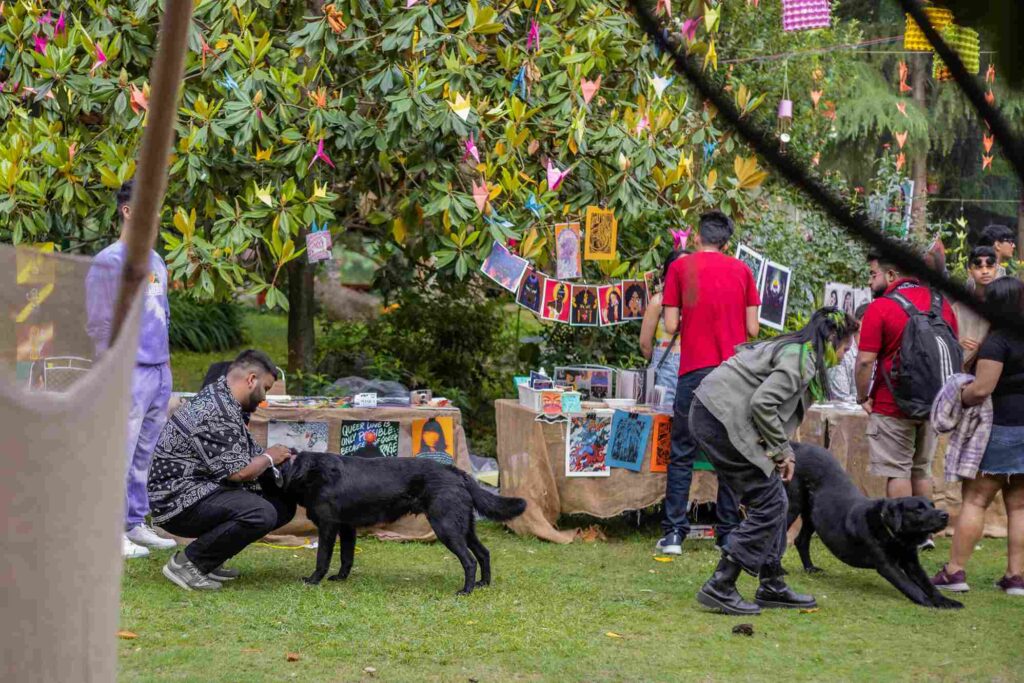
column 900, row 449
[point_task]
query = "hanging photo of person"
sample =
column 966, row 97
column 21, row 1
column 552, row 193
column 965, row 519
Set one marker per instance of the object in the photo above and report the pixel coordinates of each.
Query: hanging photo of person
column 434, row 439
column 849, row 307
column 834, row 294
column 557, row 301
column 504, row 267
column 775, row 285
column 634, row 299
column 754, row 260
column 568, row 256
column 531, row 291
column 584, row 306
column 610, row 302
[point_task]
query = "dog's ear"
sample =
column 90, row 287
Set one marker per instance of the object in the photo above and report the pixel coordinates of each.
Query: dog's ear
column 892, row 515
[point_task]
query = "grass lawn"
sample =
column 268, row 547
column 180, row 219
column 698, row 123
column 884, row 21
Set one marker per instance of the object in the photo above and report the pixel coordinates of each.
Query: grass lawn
column 265, row 331
column 549, row 617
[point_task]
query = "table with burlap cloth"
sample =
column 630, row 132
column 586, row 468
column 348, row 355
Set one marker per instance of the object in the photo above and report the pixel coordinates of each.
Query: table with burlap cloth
column 531, row 463
column 409, row 528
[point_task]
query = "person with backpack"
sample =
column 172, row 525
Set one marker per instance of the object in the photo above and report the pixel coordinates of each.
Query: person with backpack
column 908, row 349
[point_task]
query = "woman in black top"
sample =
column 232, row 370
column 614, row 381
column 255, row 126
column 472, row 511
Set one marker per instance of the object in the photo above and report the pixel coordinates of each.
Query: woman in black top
column 999, row 373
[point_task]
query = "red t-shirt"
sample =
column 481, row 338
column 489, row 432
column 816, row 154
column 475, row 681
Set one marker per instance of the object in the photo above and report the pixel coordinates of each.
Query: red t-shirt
column 881, row 332
column 712, row 292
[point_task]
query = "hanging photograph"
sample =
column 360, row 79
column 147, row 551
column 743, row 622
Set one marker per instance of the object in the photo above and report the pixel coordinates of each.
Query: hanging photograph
column 610, row 301
column 661, row 443
column 568, row 254
column 630, row 433
column 754, row 260
column 834, row 294
column 634, row 299
column 848, row 303
column 586, row 446
column 602, row 234
column 531, row 290
column 434, row 439
column 557, row 301
column 584, row 306
column 775, row 297
column 302, row 436
column 370, row 438
column 504, row 267
column 861, row 297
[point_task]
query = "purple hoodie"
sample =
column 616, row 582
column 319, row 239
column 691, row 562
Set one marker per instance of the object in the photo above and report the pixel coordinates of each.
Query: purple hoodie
column 101, row 288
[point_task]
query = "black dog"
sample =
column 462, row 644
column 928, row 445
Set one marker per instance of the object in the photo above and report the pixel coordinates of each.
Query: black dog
column 342, row 493
column 868, row 533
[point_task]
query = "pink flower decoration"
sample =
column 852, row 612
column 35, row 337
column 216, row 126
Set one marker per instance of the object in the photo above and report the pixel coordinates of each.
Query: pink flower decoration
column 533, row 36
column 40, row 44
column 690, row 29
column 100, row 59
column 680, row 238
column 46, row 19
column 471, row 150
column 60, row 27
column 555, row 176
column 321, row 154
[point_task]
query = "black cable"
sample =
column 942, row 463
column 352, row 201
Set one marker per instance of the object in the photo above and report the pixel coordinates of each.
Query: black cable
column 855, row 223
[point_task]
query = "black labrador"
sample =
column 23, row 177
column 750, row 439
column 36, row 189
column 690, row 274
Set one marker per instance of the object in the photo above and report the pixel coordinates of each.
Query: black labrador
column 342, row 493
column 868, row 533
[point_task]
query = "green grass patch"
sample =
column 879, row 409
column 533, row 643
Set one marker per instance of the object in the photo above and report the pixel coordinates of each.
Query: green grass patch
column 265, row 331
column 547, row 616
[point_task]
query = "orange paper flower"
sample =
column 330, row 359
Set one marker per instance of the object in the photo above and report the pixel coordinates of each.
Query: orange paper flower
column 335, row 18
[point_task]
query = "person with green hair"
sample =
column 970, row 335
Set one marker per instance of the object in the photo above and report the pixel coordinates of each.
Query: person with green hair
column 743, row 415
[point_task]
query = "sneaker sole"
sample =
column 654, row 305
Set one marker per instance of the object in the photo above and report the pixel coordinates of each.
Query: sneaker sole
column 221, row 579
column 167, row 545
column 769, row 604
column 712, row 604
column 954, row 587
column 173, row 578
column 669, row 550
column 1016, row 592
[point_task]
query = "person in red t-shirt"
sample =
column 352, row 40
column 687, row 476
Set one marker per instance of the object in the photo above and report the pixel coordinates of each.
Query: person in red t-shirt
column 899, row 448
column 711, row 300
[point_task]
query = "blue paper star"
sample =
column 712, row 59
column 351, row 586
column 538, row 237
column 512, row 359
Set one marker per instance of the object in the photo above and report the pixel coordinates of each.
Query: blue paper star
column 3, row 55
column 519, row 83
column 229, row 83
column 709, row 150
column 494, row 218
column 533, row 206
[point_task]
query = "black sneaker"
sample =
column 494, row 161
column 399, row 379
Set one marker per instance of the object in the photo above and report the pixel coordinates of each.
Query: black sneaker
column 669, row 544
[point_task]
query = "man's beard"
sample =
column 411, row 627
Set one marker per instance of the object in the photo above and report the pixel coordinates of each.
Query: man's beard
column 252, row 401
column 878, row 292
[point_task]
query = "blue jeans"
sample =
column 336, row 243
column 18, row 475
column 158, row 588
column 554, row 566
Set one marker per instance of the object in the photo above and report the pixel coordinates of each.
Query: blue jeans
column 666, row 373
column 680, row 468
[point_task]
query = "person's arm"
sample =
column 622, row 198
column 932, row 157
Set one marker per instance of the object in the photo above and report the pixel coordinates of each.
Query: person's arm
column 862, row 374
column 986, row 377
column 260, row 464
column 780, row 386
column 868, row 347
column 753, row 326
column 101, row 289
column 671, row 314
column 649, row 327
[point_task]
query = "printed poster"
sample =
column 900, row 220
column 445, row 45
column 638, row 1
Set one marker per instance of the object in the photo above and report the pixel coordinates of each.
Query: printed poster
column 370, row 438
column 584, row 306
column 634, row 299
column 834, row 294
column 557, row 300
column 630, row 435
column 586, row 446
column 568, row 255
column 610, row 301
column 602, row 234
column 302, row 436
column 434, row 439
column 504, row 267
column 531, row 291
column 661, row 443
column 775, row 297
column 753, row 260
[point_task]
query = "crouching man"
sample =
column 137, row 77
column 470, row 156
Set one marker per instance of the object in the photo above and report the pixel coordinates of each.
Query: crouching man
column 205, row 482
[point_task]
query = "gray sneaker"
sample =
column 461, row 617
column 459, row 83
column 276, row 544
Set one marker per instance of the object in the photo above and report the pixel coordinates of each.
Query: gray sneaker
column 223, row 574
column 180, row 570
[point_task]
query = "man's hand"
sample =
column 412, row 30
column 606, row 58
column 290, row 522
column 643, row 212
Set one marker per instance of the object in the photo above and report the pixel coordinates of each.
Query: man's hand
column 279, row 454
column 786, row 468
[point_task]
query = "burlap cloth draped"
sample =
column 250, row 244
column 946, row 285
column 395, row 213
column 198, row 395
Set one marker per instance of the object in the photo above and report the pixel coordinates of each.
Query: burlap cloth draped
column 531, row 460
column 410, row 528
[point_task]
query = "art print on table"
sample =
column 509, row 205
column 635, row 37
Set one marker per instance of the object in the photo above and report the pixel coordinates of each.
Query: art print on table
column 504, row 267
column 557, row 301
column 434, row 439
column 634, row 299
column 370, row 438
column 599, row 384
column 586, row 445
column 661, row 443
column 630, row 434
column 752, row 259
column 775, row 298
column 584, row 306
column 302, row 436
column 568, row 254
column 531, row 291
column 602, row 234
column 551, row 402
column 610, row 303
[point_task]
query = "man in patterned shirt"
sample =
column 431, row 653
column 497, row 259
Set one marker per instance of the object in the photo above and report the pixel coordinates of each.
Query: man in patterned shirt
column 205, row 482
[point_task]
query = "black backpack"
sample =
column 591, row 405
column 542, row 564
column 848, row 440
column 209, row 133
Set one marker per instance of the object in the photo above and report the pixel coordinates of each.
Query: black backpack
column 929, row 354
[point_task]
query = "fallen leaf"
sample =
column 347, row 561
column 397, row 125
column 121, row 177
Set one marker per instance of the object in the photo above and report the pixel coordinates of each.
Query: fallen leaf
column 612, row 634
column 809, row 611
column 127, row 635
column 662, row 559
column 592, row 534
column 292, row 657
column 743, row 629
column 470, row 622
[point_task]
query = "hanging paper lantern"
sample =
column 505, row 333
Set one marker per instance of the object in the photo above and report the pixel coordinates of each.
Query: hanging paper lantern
column 914, row 38
column 801, row 15
column 966, row 44
column 785, row 122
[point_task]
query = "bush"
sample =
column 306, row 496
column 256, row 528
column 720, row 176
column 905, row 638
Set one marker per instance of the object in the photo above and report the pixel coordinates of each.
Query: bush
column 205, row 327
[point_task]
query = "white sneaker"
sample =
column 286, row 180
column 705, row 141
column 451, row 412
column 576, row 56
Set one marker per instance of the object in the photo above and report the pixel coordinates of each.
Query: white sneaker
column 130, row 550
column 144, row 535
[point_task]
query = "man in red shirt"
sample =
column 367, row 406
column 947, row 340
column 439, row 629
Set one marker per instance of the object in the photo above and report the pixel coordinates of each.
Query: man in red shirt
column 899, row 448
column 711, row 300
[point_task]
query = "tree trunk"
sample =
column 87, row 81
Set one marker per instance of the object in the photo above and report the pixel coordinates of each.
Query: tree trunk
column 919, row 158
column 301, row 309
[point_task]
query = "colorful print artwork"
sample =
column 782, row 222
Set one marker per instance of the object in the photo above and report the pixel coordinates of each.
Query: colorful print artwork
column 569, row 261
column 504, row 267
column 630, row 433
column 602, row 234
column 370, row 438
column 557, row 301
column 587, row 445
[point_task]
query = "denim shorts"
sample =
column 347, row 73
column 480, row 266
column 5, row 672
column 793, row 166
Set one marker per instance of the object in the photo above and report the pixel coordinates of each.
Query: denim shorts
column 667, row 374
column 1005, row 451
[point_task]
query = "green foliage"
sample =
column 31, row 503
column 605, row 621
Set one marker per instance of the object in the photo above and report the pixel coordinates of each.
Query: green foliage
column 204, row 327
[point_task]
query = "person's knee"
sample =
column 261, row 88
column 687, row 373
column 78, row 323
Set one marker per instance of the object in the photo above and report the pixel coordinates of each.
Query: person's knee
column 261, row 516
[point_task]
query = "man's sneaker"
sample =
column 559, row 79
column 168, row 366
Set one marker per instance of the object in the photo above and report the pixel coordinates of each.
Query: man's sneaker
column 130, row 551
column 928, row 544
column 954, row 583
column 669, row 544
column 144, row 535
column 1012, row 585
column 180, row 570
column 223, row 573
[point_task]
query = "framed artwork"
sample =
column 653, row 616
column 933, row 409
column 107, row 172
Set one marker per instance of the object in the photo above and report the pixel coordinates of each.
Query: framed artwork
column 661, row 443
column 634, row 299
column 434, row 439
column 775, row 295
column 584, row 306
column 754, row 261
column 602, row 234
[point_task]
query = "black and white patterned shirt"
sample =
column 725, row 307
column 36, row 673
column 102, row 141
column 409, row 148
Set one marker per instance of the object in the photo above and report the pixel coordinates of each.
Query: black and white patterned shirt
column 202, row 444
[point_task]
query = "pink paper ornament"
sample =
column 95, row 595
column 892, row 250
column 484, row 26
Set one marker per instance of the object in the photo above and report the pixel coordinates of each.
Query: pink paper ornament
column 785, row 109
column 801, row 15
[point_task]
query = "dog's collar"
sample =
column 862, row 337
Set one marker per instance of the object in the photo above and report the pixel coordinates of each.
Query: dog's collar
column 886, row 527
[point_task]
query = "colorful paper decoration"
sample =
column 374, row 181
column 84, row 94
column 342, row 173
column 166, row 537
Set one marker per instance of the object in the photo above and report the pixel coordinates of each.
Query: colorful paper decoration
column 318, row 243
column 555, row 176
column 321, row 154
column 533, row 205
column 533, row 36
column 61, row 25
column 589, row 88
column 902, row 107
column 101, row 59
column 689, row 29
column 601, row 236
column 680, row 238
column 661, row 443
column 461, row 106
column 801, row 15
column 785, row 109
column 229, row 83
column 965, row 43
column 914, row 38
column 901, row 139
column 471, row 150
column 660, row 83
column 986, row 162
column 40, row 42
column 664, row 7
column 480, row 195
column 3, row 55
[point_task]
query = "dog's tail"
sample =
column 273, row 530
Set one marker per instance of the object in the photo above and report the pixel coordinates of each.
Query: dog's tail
column 498, row 508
